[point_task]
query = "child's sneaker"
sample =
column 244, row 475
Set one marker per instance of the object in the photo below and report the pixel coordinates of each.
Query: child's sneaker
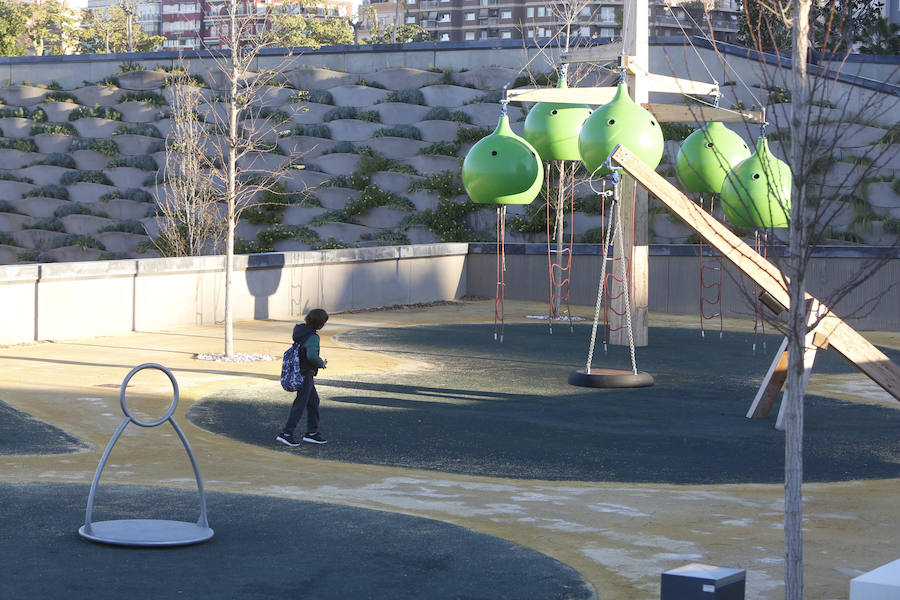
column 287, row 439
column 314, row 438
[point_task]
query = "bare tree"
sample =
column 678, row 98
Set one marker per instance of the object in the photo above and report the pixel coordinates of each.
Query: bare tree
column 190, row 223
column 245, row 133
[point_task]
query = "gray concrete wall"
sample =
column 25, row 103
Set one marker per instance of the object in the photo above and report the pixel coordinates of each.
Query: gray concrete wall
column 675, row 284
column 73, row 300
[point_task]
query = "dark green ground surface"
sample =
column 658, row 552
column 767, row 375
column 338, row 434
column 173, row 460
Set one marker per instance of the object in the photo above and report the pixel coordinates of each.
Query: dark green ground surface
column 264, row 548
column 22, row 434
column 507, row 411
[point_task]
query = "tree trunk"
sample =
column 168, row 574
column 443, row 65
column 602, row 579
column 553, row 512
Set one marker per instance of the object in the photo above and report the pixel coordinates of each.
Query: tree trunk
column 798, row 315
column 231, row 180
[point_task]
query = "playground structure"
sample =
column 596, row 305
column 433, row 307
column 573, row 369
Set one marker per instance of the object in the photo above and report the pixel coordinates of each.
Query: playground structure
column 146, row 532
column 624, row 134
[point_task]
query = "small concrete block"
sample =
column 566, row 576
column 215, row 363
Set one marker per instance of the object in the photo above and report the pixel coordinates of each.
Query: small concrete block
column 882, row 583
column 703, row 582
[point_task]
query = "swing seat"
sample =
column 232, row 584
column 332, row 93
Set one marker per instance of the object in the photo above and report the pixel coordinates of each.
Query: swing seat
column 610, row 378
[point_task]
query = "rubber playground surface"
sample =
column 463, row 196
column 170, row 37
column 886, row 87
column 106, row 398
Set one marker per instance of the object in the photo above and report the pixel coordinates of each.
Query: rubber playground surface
column 456, row 467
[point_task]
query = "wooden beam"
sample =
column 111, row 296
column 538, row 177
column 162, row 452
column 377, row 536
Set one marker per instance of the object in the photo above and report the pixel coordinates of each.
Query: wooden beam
column 604, row 53
column 682, row 113
column 843, row 338
column 677, row 85
column 587, row 95
column 771, row 385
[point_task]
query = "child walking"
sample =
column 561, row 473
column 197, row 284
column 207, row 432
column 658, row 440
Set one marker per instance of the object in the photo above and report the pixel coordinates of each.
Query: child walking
column 307, row 398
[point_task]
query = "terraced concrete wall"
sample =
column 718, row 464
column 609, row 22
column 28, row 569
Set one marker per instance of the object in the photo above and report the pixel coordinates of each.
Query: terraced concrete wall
column 675, row 281
column 84, row 299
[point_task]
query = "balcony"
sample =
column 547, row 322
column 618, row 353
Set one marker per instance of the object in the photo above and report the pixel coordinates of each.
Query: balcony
column 427, row 24
column 428, row 4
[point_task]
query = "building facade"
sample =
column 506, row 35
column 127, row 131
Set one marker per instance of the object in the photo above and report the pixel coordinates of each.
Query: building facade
column 469, row 20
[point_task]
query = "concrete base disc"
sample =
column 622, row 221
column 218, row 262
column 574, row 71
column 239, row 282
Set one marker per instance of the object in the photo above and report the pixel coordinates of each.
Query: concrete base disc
column 610, row 378
column 146, row 532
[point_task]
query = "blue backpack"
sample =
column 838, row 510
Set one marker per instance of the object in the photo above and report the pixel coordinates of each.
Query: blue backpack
column 291, row 378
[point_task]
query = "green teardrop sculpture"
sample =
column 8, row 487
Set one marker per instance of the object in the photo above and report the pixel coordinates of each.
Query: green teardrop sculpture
column 621, row 121
column 502, row 168
column 707, row 155
column 552, row 128
column 757, row 192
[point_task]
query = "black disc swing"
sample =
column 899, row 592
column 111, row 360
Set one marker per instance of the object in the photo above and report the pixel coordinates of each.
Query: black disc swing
column 612, row 378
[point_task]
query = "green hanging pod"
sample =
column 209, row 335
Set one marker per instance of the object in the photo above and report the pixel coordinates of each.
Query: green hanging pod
column 621, row 121
column 757, row 192
column 502, row 168
column 707, row 155
column 552, row 128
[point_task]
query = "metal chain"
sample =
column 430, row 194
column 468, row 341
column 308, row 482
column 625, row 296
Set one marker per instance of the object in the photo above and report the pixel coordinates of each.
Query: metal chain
column 606, row 241
column 620, row 250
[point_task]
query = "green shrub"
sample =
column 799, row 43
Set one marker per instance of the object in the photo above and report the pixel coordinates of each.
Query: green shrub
column 548, row 79
column 330, row 216
column 61, row 128
column 676, row 131
column 276, row 115
column 145, row 96
column 448, row 220
column 39, row 115
column 195, row 80
column 330, row 244
column 103, row 146
column 145, row 129
column 153, row 179
column 315, row 96
column 369, row 116
column 488, row 98
column 407, row 96
column 779, row 95
column 156, row 146
column 318, row 130
column 402, row 131
column 447, row 184
column 340, row 112
column 127, row 226
column 372, row 197
column 97, row 111
column 440, row 113
column 84, row 177
column 372, row 84
column 6, row 207
column 144, row 162
column 135, row 194
column 4, row 176
column 125, row 67
column 48, row 191
column 49, row 224
column 342, row 148
column 354, row 181
column 22, row 144
column 83, row 242
column 470, row 135
column 6, row 239
column 442, row 148
column 74, row 208
column 17, row 112
column 113, row 256
column 391, row 238
column 60, row 97
column 27, row 256
column 57, row 159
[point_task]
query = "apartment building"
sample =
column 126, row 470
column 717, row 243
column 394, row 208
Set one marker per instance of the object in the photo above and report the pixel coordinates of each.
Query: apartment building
column 468, row 20
column 196, row 24
column 148, row 13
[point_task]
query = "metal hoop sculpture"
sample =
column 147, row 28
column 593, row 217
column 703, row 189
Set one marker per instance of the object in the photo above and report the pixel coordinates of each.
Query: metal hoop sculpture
column 146, row 532
column 611, row 378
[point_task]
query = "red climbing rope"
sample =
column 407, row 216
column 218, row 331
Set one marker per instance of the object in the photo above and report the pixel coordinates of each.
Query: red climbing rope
column 612, row 279
column 559, row 272
column 710, row 265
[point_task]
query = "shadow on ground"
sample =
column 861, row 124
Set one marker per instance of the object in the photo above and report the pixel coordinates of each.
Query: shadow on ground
column 263, row 548
column 507, row 411
column 20, row 433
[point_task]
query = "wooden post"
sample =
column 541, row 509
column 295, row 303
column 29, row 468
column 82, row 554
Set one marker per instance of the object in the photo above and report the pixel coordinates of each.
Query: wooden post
column 634, row 214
